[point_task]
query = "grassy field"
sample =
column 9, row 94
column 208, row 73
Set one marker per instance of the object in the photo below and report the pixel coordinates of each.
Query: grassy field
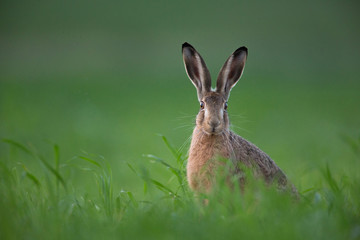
column 51, row 204
column 88, row 91
column 62, row 176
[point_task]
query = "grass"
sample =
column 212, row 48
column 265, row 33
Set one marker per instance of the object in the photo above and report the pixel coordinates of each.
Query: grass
column 48, row 203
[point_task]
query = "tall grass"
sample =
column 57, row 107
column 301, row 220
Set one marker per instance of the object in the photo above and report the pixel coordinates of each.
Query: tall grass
column 47, row 204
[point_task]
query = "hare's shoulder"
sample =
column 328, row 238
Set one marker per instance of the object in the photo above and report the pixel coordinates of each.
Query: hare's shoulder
column 250, row 154
column 245, row 147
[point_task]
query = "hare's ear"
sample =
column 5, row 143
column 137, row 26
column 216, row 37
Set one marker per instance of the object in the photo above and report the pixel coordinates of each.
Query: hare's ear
column 231, row 72
column 196, row 70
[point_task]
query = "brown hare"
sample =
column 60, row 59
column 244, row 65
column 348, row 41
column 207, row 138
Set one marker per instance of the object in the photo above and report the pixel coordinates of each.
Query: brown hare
column 211, row 139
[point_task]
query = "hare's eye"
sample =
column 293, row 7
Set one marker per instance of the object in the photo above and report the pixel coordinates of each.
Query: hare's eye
column 225, row 106
column 202, row 105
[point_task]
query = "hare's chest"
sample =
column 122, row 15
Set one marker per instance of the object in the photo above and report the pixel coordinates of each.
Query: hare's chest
column 203, row 161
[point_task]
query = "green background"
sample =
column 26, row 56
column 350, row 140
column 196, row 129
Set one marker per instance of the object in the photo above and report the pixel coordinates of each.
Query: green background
column 106, row 77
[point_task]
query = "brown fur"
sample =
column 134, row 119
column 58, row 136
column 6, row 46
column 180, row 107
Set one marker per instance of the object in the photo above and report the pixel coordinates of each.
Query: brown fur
column 211, row 137
column 206, row 149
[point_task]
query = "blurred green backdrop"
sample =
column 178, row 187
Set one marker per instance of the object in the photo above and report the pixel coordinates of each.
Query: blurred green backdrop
column 106, row 77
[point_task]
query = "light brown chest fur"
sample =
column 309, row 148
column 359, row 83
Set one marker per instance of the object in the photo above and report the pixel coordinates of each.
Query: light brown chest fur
column 202, row 163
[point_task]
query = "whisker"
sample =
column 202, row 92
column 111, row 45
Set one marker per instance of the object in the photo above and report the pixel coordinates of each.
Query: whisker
column 184, row 116
column 186, row 142
column 232, row 126
column 187, row 126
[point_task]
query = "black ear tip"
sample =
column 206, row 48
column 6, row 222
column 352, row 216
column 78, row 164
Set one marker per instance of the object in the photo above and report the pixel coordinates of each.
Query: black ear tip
column 241, row 49
column 185, row 44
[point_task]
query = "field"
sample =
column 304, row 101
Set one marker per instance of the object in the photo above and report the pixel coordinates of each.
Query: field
column 96, row 114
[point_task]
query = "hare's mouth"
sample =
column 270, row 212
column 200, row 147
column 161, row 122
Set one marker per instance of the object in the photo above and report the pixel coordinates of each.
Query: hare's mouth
column 213, row 130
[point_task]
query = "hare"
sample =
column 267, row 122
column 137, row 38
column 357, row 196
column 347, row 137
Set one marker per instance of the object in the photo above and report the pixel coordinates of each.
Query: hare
column 211, row 138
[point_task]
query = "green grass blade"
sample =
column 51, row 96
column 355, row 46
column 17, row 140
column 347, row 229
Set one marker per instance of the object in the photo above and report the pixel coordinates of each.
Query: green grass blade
column 132, row 168
column 145, row 187
column 159, row 160
column 53, row 171
column 47, row 165
column 330, row 179
column 174, row 151
column 171, row 148
column 308, row 190
column 57, row 164
column 90, row 161
column 132, row 199
column 57, row 157
column 31, row 176
column 18, row 145
column 162, row 187
column 352, row 143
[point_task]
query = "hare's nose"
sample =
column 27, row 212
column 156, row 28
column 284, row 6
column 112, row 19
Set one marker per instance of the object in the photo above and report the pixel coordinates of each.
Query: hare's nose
column 214, row 123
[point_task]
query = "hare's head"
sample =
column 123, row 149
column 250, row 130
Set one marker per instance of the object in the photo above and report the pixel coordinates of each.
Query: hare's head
column 212, row 117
